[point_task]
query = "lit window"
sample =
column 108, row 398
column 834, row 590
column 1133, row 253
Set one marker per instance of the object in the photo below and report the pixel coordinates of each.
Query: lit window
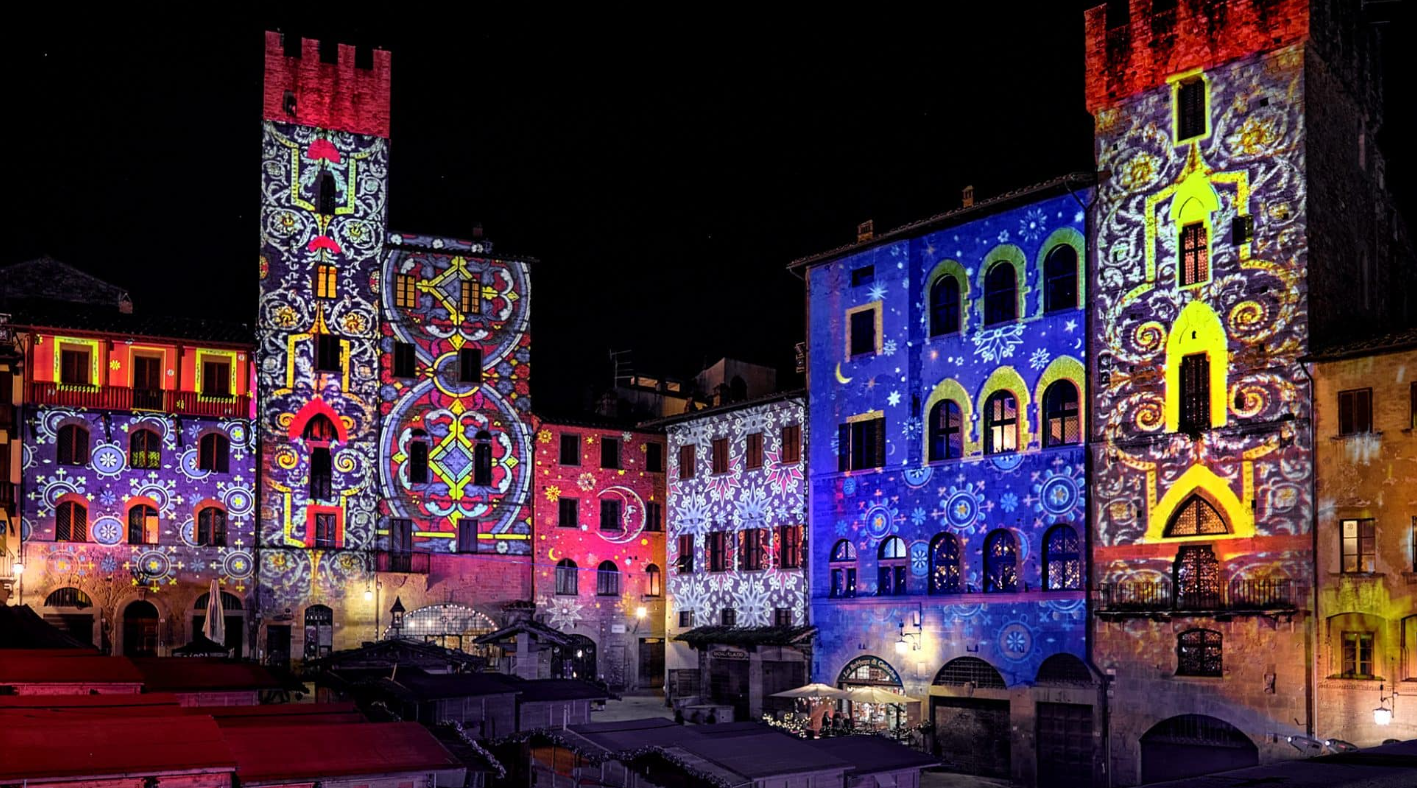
column 1061, row 424
column 1359, row 540
column 469, row 303
column 946, row 434
column 1196, row 517
column 1195, row 254
column 843, row 570
column 1196, row 578
column 144, row 450
column 1000, row 562
column 326, row 277
column 654, row 584
column 1000, row 423
column 1357, row 655
column 1198, row 653
column 142, row 524
column 1062, row 559
column 944, row 565
column 405, row 291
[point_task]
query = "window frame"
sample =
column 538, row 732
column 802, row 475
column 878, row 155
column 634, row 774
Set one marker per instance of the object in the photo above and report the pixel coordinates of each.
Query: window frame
column 654, row 457
column 72, row 445
column 1355, row 412
column 1005, row 424
column 470, row 297
column 418, row 449
column 891, row 579
column 753, row 451
column 78, row 522
column 326, row 530
column 1202, row 658
column 572, row 440
column 717, row 552
column 217, row 379
column 611, row 453
column 842, row 563
column 654, row 581
column 858, row 437
column 1062, row 413
column 326, row 281
column 607, row 579
column 568, row 581
column 1193, row 253
column 853, row 332
column 1000, row 304
column 688, row 455
column 69, row 373
column 329, row 354
column 1361, row 652
column 946, row 310
column 1191, row 122
column 405, row 360
column 149, row 457
column 1361, row 546
column 405, row 291
column 147, row 528
column 942, row 436
column 213, row 532
column 1068, row 561
column 684, row 564
column 955, row 574
column 568, row 506
column 1053, row 281
column 214, row 453
column 1193, row 414
column 1001, row 573
column 612, row 516
column 470, row 365
column 654, row 517
column 721, row 463
column 791, row 444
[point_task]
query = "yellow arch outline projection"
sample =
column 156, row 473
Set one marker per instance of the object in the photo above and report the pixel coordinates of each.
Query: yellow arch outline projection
column 1060, row 237
column 949, row 388
column 1007, row 378
column 1015, row 257
column 1195, row 201
column 1200, row 479
column 1063, row 368
column 955, row 269
column 1197, row 330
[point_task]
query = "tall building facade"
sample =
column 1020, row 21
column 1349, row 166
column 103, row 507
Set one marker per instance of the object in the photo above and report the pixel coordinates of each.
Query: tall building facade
column 1241, row 223
column 599, row 558
column 948, row 498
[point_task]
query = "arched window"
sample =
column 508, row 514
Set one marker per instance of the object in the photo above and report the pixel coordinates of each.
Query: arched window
column 1061, row 422
column 73, row 448
column 890, row 567
column 68, row 597
column 1000, row 294
column 1196, row 517
column 418, row 458
column 946, row 431
column 1197, row 578
column 843, row 569
column 142, row 524
column 607, row 579
column 1198, row 653
column 482, row 459
column 319, row 631
column 944, row 565
column 1000, row 423
column 319, row 429
column 211, row 527
column 1062, row 559
column 214, row 453
column 1000, row 562
column 567, row 578
column 229, row 602
column 71, row 522
column 1060, row 279
column 944, row 306
column 654, row 581
column 325, row 193
column 144, row 450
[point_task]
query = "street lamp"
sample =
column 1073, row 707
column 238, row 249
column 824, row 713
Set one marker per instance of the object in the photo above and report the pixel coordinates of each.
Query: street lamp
column 1382, row 715
column 19, row 571
column 641, row 612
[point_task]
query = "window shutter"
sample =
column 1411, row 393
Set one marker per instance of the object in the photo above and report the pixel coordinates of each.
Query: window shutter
column 879, row 460
column 843, row 448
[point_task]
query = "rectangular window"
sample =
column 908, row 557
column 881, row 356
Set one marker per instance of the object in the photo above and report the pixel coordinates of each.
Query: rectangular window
column 861, row 277
column 470, row 365
column 328, row 353
column 609, row 452
column 325, row 535
column 321, row 478
column 1190, row 109
column 216, row 378
column 861, row 444
column 843, row 582
column 863, row 332
column 720, row 455
column 686, row 554
column 753, row 455
column 1357, row 655
column 782, row 617
column 654, row 516
column 326, row 277
column 729, row 617
column 567, row 513
column 469, row 303
column 718, row 551
column 404, row 360
column 570, row 450
column 752, row 556
column 74, row 369
column 418, row 461
column 1412, row 407
column 1195, row 393
column 1195, row 254
column 686, row 618
column 686, row 462
column 400, row 536
column 1355, row 411
column 147, row 382
column 792, row 443
column 1358, row 545
column 654, row 457
column 610, row 516
column 1242, row 230
column 405, row 291
column 467, row 536
column 789, row 547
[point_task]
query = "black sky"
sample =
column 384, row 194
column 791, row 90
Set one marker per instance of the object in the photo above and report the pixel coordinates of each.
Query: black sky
column 663, row 172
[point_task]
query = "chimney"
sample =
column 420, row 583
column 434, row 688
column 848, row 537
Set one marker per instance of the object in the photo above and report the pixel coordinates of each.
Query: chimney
column 865, row 231
column 969, row 196
column 477, row 230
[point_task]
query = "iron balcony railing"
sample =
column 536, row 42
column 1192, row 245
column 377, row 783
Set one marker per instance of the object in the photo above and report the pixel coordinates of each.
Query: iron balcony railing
column 187, row 403
column 1240, row 595
column 408, row 563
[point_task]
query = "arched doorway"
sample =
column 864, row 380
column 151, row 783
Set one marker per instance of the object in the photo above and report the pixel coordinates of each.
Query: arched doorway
column 69, row 609
column 972, row 732
column 1064, row 742
column 140, row 629
column 233, row 617
column 873, row 672
column 1189, row 745
column 574, row 661
column 449, row 625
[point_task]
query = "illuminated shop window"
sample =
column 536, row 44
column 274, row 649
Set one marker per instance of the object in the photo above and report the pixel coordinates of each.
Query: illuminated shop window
column 570, row 453
column 1196, row 577
column 1000, row 562
column 890, row 567
column 607, row 579
column 686, row 555
column 1195, row 393
column 325, row 193
column 418, row 458
column 753, row 554
column 1001, row 294
column 686, row 462
column 654, row 516
column 944, row 565
column 73, row 445
column 326, row 281
column 327, row 353
column 654, row 457
column 321, row 475
column 482, row 459
column 861, row 444
column 404, row 366
column 720, row 455
column 654, row 582
column 405, row 291
column 792, row 443
column 1060, row 275
column 753, row 451
column 717, row 546
column 1190, row 109
column 1000, row 423
column 1198, row 653
column 567, row 578
column 862, row 326
column 1357, row 655
column 470, row 365
column 1196, row 517
column 71, row 522
column 610, row 453
column 144, row 450
column 789, row 547
column 567, row 513
column 74, row 367
column 211, row 527
column 142, row 524
column 1062, row 559
column 319, row 631
column 469, row 303
column 728, row 617
column 1355, row 411
column 216, row 378
column 1061, row 423
column 1195, row 254
column 214, row 453
column 1358, row 545
column 946, row 431
column 944, row 306
column 610, row 514
column 782, row 617
column 843, row 570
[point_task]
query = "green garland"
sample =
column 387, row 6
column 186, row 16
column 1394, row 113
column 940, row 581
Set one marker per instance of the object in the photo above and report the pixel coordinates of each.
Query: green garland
column 478, row 749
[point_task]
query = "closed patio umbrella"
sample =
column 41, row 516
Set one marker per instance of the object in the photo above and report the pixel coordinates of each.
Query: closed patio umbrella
column 215, row 627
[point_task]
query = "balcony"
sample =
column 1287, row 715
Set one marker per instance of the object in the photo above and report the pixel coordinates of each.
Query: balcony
column 1157, row 597
column 407, row 563
column 186, row 403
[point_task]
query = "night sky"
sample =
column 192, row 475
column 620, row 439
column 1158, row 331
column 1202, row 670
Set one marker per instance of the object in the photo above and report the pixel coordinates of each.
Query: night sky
column 663, row 172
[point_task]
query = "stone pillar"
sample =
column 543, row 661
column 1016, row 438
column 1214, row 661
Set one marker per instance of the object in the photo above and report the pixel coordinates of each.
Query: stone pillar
column 755, row 684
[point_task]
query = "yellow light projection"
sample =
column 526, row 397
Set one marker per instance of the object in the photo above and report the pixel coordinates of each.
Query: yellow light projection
column 951, row 389
column 1200, row 480
column 1196, row 330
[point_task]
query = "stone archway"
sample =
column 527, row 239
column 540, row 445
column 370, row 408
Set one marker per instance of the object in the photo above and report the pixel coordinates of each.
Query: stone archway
column 141, row 625
column 1189, row 745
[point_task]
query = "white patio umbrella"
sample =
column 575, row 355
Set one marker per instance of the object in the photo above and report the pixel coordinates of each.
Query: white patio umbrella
column 813, row 692
column 877, row 695
column 215, row 626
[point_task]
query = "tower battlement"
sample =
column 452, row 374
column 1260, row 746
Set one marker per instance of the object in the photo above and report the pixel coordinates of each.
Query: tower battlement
column 340, row 95
column 1134, row 45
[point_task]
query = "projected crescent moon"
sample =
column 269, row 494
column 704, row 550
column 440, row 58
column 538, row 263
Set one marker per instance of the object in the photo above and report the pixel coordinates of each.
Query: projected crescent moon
column 634, row 516
column 551, row 554
column 840, row 378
